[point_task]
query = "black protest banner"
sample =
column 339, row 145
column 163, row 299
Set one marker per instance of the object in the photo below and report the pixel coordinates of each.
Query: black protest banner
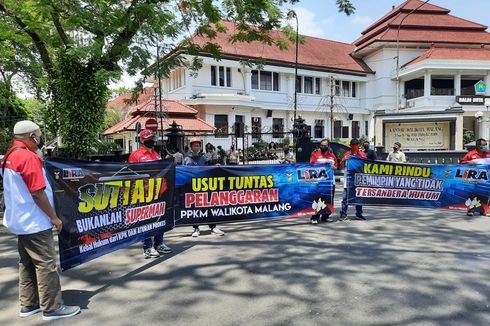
column 108, row 206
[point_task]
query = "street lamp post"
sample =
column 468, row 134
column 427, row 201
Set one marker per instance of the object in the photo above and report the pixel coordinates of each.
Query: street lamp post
column 398, row 55
column 292, row 13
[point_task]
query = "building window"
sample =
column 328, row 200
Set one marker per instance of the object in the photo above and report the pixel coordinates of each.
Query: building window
column 220, row 76
column 318, row 86
column 213, row 75
column 337, row 129
column 299, row 84
column 414, row 88
column 345, row 88
column 177, row 78
column 442, row 85
column 468, row 84
column 221, row 125
column 228, row 77
column 353, row 89
column 355, row 129
column 319, row 128
column 366, row 128
column 265, row 80
column 345, row 132
column 277, row 128
column 256, row 127
column 308, row 85
column 337, row 88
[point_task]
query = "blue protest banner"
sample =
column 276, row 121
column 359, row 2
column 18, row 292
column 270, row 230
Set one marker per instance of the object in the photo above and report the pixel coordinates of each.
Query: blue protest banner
column 422, row 185
column 218, row 194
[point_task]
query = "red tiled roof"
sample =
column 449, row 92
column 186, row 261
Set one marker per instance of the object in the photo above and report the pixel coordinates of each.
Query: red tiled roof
column 452, row 54
column 169, row 107
column 120, row 101
column 429, row 24
column 188, row 124
column 313, row 52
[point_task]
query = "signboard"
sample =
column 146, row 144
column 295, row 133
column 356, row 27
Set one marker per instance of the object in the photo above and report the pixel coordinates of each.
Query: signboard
column 480, row 88
column 472, row 100
column 419, row 135
column 151, row 124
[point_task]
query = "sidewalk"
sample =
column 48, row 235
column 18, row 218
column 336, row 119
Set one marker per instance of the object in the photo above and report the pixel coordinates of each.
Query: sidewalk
column 401, row 267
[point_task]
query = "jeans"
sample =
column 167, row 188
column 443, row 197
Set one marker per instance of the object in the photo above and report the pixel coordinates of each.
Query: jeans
column 343, row 211
column 154, row 242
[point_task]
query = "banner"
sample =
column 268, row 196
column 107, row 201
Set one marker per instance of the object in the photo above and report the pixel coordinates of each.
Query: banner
column 426, row 185
column 217, row 194
column 108, row 206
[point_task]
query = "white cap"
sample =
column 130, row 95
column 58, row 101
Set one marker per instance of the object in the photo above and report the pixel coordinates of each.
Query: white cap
column 24, row 127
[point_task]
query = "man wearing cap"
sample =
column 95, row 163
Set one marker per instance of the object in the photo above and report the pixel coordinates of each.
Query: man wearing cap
column 197, row 158
column 152, row 247
column 29, row 214
column 354, row 151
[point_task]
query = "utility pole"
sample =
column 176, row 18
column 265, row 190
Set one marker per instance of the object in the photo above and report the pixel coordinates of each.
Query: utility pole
column 330, row 105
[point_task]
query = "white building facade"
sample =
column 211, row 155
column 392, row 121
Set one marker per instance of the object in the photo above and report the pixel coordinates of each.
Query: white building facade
column 410, row 78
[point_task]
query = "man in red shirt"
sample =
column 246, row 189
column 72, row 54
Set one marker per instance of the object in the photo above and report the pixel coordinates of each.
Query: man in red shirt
column 354, row 151
column 480, row 155
column 151, row 247
column 480, row 152
column 30, row 215
column 323, row 156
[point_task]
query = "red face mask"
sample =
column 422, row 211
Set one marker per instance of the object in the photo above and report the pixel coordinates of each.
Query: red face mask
column 354, row 148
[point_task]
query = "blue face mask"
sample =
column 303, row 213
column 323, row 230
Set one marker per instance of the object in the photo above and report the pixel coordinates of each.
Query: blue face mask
column 484, row 148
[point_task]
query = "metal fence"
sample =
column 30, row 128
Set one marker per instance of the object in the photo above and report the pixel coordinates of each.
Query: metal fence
column 252, row 148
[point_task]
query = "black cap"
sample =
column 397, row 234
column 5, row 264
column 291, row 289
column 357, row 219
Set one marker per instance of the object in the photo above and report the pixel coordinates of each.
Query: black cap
column 354, row 141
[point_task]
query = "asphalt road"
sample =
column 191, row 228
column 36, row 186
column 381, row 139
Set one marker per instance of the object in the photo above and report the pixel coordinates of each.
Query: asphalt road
column 403, row 266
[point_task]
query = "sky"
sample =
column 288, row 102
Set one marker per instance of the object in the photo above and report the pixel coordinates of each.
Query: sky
column 320, row 18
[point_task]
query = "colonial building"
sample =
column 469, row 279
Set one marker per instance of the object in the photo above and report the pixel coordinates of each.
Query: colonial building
column 410, row 77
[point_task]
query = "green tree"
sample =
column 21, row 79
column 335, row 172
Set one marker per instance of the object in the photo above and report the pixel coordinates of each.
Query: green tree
column 72, row 49
column 113, row 116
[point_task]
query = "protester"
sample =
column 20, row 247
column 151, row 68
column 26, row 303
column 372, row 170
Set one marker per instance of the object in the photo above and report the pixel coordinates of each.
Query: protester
column 211, row 154
column 233, row 156
column 354, row 151
column 480, row 155
column 370, row 154
column 29, row 214
column 178, row 157
column 198, row 159
column 480, row 152
column 221, row 155
column 323, row 156
column 152, row 247
column 396, row 156
column 288, row 156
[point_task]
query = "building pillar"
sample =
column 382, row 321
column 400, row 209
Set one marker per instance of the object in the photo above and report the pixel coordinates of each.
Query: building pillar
column 459, row 133
column 291, row 84
column 487, row 81
column 247, row 82
column 427, row 83
column 457, row 84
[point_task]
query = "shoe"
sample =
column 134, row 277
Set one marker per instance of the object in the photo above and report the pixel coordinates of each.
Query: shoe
column 163, row 249
column 151, row 253
column 326, row 219
column 343, row 217
column 469, row 214
column 196, row 233
column 361, row 217
column 217, row 231
column 62, row 312
column 314, row 221
column 26, row 311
